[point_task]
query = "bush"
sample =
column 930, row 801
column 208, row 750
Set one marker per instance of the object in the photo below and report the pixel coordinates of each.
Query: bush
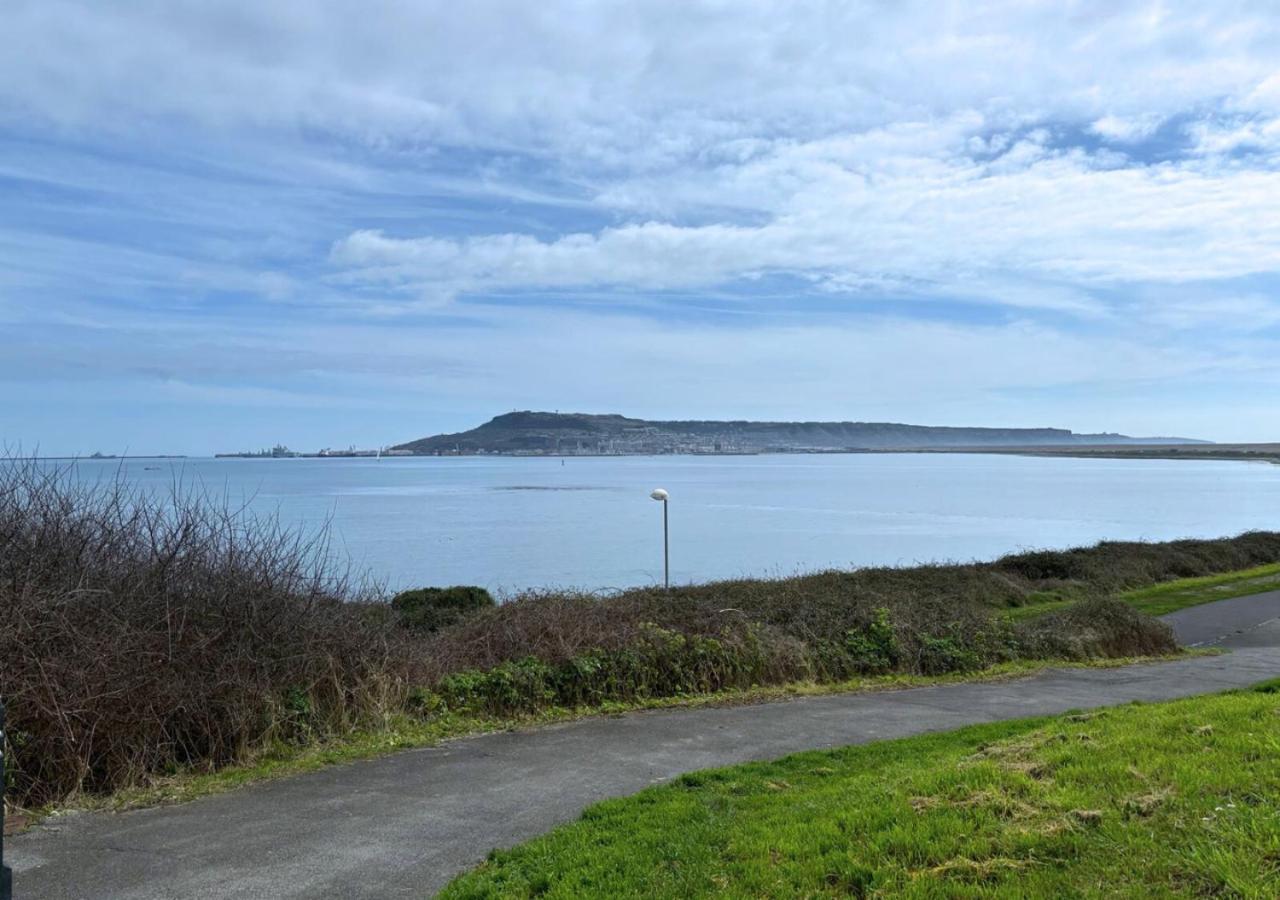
column 830, row 626
column 430, row 609
column 659, row 663
column 875, row 648
column 144, row 634
column 1100, row 627
column 940, row 655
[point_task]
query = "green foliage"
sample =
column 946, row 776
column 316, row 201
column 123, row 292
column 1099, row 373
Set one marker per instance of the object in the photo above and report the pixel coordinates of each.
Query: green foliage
column 874, row 649
column 520, row 684
column 836, row 625
column 659, row 663
column 1156, row 800
column 297, row 702
column 297, row 720
column 661, row 660
column 1268, row 687
column 939, row 655
column 431, row 608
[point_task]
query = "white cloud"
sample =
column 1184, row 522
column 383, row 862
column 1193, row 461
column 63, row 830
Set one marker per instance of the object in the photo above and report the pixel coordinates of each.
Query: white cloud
column 914, row 143
column 1125, row 130
column 1218, row 138
column 624, row 84
column 941, row 221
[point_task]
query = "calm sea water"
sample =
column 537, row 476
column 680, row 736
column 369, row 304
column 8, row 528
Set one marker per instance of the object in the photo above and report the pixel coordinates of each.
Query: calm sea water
column 510, row 523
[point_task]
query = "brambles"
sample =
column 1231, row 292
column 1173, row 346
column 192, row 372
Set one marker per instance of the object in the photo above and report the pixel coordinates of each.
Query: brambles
column 141, row 635
column 1096, row 627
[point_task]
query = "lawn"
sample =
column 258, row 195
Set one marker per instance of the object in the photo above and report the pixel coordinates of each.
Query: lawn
column 1171, row 596
column 1174, row 595
column 1172, row 799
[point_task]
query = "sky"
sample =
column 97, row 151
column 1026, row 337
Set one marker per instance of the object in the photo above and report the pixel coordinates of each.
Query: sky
column 227, row 224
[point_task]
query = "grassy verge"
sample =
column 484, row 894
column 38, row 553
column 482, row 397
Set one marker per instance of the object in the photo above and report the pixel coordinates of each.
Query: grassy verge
column 1171, row 799
column 408, row 732
column 1171, row 596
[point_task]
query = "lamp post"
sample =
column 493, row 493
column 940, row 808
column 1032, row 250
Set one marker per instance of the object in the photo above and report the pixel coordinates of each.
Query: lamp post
column 660, row 495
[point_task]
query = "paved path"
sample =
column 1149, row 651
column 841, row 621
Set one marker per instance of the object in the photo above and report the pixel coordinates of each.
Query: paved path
column 403, row 825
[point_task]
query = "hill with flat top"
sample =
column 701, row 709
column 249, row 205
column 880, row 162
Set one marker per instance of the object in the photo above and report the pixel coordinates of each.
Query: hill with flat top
column 551, row 433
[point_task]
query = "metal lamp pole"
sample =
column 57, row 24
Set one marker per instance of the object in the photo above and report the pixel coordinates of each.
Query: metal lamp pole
column 660, row 494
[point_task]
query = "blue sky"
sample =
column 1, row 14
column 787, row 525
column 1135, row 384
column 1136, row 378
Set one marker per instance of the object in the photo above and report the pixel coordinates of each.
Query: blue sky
column 227, row 224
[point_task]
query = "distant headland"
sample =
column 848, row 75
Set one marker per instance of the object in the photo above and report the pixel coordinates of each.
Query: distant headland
column 530, row 433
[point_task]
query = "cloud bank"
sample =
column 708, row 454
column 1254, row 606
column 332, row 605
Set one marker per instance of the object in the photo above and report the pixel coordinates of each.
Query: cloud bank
column 1098, row 181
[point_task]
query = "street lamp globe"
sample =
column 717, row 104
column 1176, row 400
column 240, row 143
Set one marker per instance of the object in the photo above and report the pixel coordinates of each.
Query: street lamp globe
column 659, row 494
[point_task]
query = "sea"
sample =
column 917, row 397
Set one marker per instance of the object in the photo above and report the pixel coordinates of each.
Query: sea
column 517, row 523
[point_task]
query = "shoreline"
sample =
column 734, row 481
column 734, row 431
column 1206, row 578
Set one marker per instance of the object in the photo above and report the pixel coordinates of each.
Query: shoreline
column 1218, row 452
column 1261, row 452
column 1195, row 452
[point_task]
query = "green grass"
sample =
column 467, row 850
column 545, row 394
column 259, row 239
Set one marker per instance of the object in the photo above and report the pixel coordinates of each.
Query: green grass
column 1164, row 800
column 1171, row 596
column 1174, row 595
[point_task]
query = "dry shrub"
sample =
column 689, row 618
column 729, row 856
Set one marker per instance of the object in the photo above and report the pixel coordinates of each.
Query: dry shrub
column 142, row 633
column 1098, row 627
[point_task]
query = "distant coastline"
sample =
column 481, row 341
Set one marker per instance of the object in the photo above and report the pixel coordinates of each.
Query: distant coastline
column 574, row 434
column 1235, row 452
column 555, row 434
column 532, row 433
column 280, row 451
column 94, row 457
